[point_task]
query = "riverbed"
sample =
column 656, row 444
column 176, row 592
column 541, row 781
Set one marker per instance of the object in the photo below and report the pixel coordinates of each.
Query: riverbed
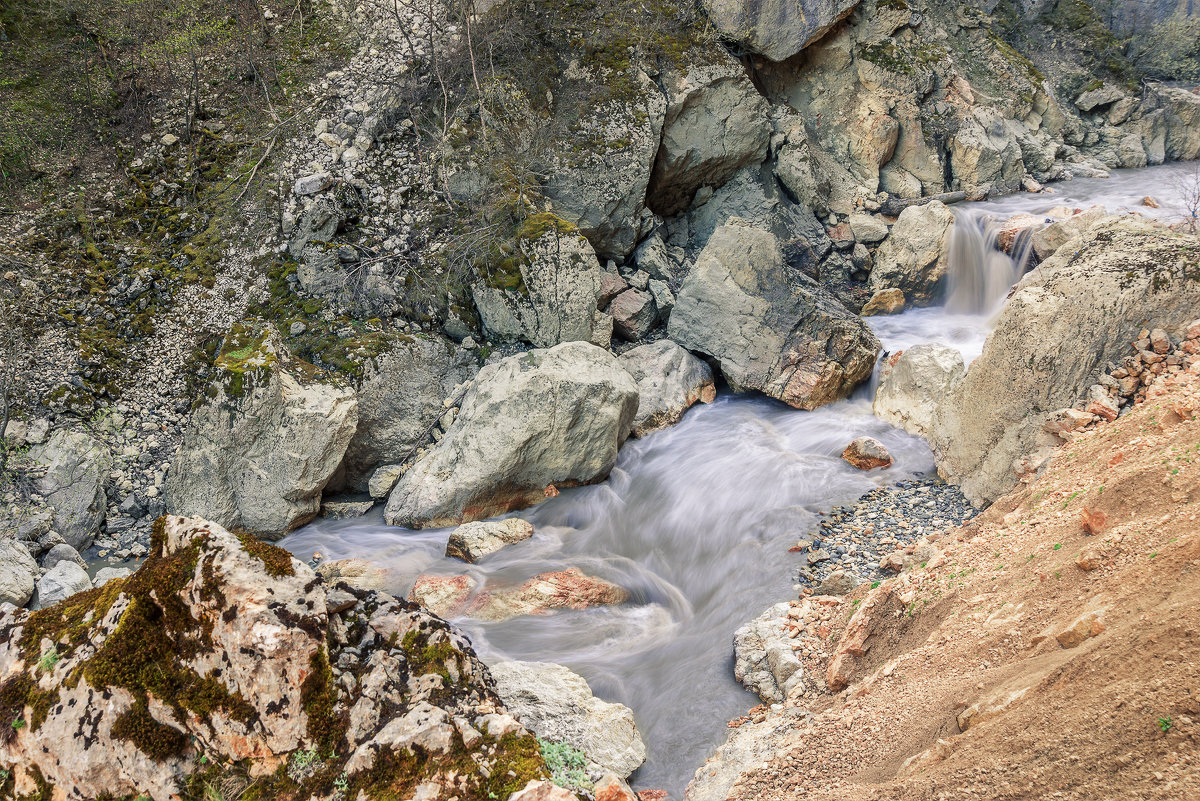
column 695, row 521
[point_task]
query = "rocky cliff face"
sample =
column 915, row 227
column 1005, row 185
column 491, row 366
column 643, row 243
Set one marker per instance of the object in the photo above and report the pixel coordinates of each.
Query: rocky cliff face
column 225, row 665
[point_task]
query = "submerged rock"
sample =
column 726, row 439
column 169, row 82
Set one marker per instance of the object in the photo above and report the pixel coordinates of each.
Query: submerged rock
column 222, row 650
column 771, row 331
column 454, row 596
column 258, row 453
column 669, row 381
column 530, row 422
column 471, row 542
column 557, row 705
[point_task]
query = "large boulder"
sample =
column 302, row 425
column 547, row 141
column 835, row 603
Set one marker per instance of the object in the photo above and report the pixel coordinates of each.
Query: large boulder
column 916, row 254
column 986, row 152
column 400, row 397
column 777, row 29
column 914, row 383
column 769, row 329
column 548, row 292
column 557, row 705
column 260, row 449
column 1182, row 122
column 18, row 572
column 1050, row 238
column 73, row 483
column 530, row 422
column 603, row 190
column 669, row 381
column 716, row 123
column 222, row 650
column 1079, row 309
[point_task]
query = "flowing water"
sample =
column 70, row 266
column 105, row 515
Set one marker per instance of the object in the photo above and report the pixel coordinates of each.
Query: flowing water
column 695, row 522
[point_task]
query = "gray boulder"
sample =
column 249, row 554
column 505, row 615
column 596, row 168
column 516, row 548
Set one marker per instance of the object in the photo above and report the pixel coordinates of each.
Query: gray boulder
column 1076, row 311
column 633, row 314
column 529, row 422
column 764, row 661
column 771, row 331
column 62, row 553
column 550, row 294
column 716, row 123
column 669, row 381
column 73, row 484
column 62, row 581
column 400, row 397
column 916, row 254
column 603, row 191
column 759, row 202
column 471, row 542
column 1050, row 238
column 557, row 705
column 777, row 29
column 259, row 452
column 107, row 574
column 18, row 572
column 914, row 383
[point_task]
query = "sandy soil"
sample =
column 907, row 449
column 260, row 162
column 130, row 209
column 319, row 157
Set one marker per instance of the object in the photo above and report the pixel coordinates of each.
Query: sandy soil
column 1072, row 660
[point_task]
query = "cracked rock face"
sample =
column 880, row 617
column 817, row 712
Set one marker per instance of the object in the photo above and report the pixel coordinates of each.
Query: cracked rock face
column 780, row 334
column 223, row 656
column 777, row 29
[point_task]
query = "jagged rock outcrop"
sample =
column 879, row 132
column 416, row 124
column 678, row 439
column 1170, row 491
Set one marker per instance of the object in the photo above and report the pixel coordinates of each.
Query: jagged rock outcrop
column 916, row 254
column 75, row 466
column 530, row 422
column 716, row 123
column 400, row 397
column 260, row 449
column 778, row 29
column 223, row 661
column 546, row 294
column 764, row 661
column 669, row 381
column 771, row 331
column 914, row 383
column 557, row 705
column 603, row 190
column 1077, row 310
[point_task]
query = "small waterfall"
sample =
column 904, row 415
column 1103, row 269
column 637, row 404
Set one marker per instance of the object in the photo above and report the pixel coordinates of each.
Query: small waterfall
column 980, row 273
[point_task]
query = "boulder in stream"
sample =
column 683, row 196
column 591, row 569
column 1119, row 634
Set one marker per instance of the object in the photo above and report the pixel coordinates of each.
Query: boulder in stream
column 557, row 705
column 770, row 330
column 914, row 383
column 916, row 254
column 529, row 423
column 669, row 381
column 471, row 542
column 455, row 596
column 764, row 661
column 867, row 453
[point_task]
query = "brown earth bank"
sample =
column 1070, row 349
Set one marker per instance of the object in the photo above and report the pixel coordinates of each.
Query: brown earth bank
column 1028, row 658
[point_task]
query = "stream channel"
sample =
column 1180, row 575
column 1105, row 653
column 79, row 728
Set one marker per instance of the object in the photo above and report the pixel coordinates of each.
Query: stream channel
column 696, row 520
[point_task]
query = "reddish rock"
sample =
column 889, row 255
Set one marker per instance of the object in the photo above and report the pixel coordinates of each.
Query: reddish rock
column 842, row 236
column 1088, row 560
column 1093, row 520
column 1087, row 625
column 853, row 643
column 611, row 285
column 1012, row 228
column 1150, row 202
column 1107, row 410
column 653, row 795
column 885, row 301
column 610, row 788
column 866, row 453
column 565, row 589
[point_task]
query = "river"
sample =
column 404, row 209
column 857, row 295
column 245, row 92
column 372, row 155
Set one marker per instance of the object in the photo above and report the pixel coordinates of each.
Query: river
column 695, row 521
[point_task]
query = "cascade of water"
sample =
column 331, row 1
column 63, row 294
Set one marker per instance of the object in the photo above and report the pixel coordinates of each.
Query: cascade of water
column 980, row 273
